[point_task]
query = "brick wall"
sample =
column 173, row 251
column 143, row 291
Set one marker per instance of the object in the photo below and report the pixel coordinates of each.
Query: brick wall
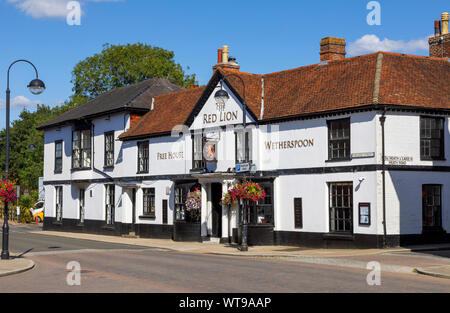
column 440, row 46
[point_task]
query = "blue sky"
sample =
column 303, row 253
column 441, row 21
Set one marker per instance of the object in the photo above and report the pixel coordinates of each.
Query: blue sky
column 264, row 36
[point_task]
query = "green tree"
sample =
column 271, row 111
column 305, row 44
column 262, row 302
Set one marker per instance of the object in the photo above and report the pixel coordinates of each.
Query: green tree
column 123, row 65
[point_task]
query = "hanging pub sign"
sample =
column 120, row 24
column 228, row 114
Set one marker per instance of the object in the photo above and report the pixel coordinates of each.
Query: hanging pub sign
column 364, row 214
column 210, row 151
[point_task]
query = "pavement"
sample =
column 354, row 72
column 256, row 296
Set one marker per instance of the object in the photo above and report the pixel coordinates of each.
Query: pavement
column 422, row 259
column 15, row 266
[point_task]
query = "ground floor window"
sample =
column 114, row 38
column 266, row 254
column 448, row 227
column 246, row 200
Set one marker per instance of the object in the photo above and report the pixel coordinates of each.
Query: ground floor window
column 81, row 208
column 59, row 203
column 261, row 213
column 109, row 204
column 181, row 191
column 431, row 207
column 149, row 201
column 341, row 207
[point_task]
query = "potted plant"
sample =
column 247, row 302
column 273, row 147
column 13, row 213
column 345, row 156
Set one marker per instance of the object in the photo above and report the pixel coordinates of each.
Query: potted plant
column 194, row 205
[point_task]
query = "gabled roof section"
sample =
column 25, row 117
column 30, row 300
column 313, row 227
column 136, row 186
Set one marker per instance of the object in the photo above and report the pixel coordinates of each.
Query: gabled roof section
column 359, row 82
column 136, row 97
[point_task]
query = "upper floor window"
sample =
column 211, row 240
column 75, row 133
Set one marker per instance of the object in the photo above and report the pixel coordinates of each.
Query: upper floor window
column 198, row 160
column 109, row 149
column 339, row 139
column 58, row 156
column 143, row 157
column 81, row 149
column 149, row 201
column 432, row 138
column 240, row 157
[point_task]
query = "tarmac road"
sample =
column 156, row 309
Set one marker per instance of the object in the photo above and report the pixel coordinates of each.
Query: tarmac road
column 109, row 267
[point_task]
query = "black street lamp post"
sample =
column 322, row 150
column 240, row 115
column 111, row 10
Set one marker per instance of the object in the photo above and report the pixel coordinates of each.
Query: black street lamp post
column 221, row 97
column 36, row 87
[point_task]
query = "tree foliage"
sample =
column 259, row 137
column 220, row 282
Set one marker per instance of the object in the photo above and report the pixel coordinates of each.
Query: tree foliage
column 123, row 65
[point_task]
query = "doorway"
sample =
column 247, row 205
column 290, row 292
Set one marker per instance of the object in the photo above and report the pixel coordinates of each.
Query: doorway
column 216, row 196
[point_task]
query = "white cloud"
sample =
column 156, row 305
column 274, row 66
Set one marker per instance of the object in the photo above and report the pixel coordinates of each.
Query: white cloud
column 47, row 8
column 20, row 102
column 371, row 43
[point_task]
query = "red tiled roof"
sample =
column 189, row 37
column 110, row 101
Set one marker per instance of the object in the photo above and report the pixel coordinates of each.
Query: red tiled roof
column 405, row 80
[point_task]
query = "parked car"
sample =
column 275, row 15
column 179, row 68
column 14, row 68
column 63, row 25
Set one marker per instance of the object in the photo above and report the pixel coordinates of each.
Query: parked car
column 38, row 211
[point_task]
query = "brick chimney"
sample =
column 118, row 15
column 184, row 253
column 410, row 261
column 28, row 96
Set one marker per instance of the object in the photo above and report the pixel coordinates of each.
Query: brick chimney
column 440, row 42
column 225, row 61
column 332, row 48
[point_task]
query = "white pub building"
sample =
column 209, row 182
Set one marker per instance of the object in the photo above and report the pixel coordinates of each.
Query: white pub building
column 352, row 152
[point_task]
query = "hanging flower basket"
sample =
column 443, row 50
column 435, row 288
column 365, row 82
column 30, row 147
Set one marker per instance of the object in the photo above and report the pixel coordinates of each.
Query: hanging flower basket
column 194, row 205
column 249, row 191
column 7, row 191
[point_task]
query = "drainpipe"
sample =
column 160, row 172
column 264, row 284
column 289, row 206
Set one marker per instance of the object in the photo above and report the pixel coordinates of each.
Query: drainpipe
column 383, row 173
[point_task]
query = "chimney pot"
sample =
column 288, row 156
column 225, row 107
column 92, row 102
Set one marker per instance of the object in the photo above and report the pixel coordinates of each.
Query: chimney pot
column 219, row 56
column 332, row 48
column 445, row 18
column 225, row 50
column 437, row 28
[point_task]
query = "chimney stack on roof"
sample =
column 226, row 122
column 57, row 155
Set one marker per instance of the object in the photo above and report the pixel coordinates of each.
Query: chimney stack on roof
column 444, row 18
column 225, row 61
column 332, row 48
column 440, row 42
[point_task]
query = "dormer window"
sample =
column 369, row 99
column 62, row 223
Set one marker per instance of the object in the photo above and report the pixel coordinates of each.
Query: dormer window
column 81, row 149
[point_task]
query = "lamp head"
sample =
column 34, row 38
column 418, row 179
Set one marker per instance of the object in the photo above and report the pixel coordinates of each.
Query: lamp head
column 36, row 86
column 221, row 97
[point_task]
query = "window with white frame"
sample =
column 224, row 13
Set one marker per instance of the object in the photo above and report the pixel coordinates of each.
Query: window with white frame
column 149, row 201
column 109, row 149
column 143, row 156
column 81, row 149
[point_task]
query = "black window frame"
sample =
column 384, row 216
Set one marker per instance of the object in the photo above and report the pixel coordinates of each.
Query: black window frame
column 436, row 208
column 149, row 200
column 198, row 164
column 266, row 206
column 109, row 154
column 82, row 149
column 426, row 142
column 145, row 157
column 110, row 199
column 248, row 147
column 58, row 170
column 346, row 140
column 338, row 213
